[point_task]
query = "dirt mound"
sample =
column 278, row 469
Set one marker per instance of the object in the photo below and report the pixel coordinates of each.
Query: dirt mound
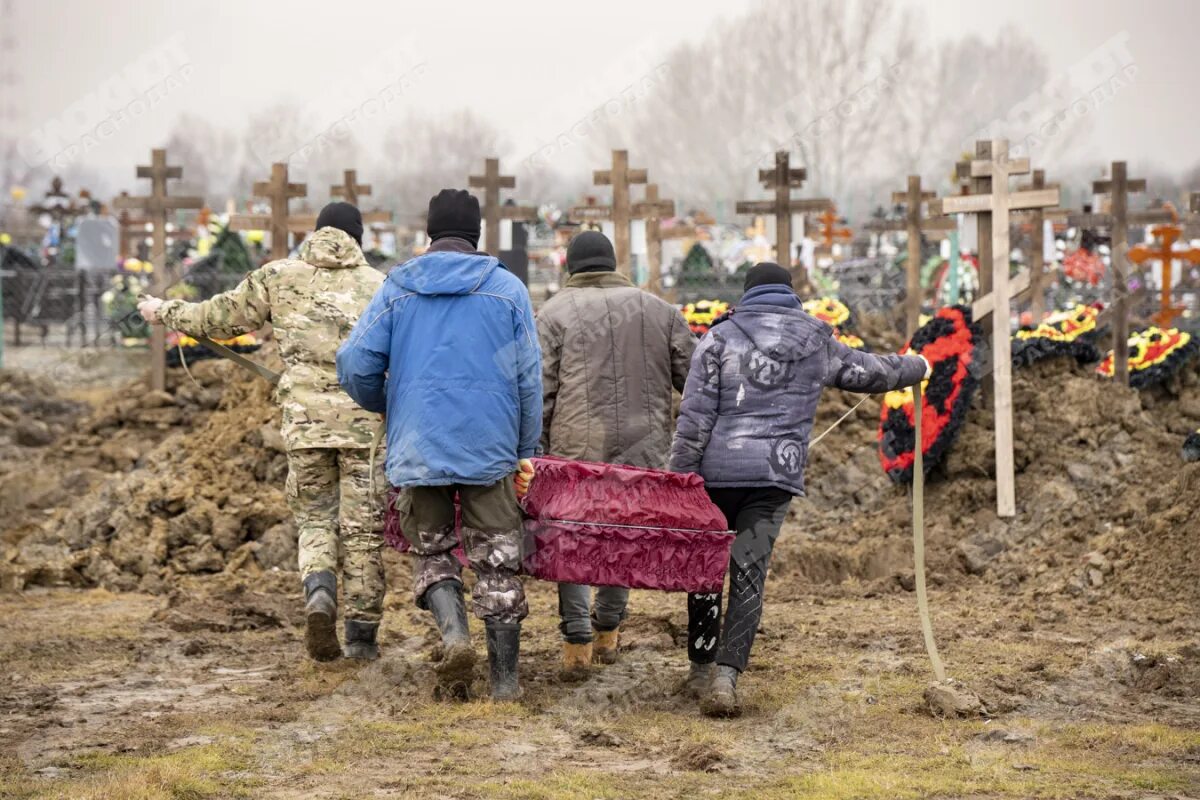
column 187, row 481
column 1104, row 503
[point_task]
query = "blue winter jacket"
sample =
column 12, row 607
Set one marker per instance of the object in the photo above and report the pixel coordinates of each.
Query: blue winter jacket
column 752, row 391
column 448, row 348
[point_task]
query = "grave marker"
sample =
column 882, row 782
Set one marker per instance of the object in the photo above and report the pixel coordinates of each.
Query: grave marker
column 278, row 190
column 155, row 206
column 782, row 179
column 998, row 204
column 653, row 211
column 1164, row 252
column 491, row 181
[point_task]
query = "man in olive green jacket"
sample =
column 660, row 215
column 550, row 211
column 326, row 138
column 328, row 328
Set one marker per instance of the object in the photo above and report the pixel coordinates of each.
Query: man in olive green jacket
column 612, row 357
column 312, row 302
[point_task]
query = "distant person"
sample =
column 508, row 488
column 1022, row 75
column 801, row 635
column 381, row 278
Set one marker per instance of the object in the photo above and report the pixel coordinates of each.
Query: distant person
column 312, row 302
column 612, row 355
column 744, row 424
column 448, row 348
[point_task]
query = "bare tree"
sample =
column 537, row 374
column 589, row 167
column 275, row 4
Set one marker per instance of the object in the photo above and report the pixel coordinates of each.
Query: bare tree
column 202, row 150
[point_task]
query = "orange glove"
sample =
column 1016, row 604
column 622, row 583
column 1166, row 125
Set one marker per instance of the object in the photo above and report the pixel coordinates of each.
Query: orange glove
column 523, row 477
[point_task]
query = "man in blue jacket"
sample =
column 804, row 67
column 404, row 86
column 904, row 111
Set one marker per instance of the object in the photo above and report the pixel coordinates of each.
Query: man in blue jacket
column 449, row 351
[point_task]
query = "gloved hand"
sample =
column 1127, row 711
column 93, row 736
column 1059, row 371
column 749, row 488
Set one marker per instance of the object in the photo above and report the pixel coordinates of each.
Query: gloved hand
column 523, row 477
column 928, row 367
column 148, row 307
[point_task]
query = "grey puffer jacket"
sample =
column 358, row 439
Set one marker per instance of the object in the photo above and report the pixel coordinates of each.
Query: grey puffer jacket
column 612, row 356
column 752, row 392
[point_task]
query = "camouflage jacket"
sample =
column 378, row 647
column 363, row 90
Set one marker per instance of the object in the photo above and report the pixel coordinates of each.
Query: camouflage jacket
column 312, row 303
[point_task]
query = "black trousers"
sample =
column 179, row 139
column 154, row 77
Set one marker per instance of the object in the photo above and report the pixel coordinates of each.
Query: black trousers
column 756, row 515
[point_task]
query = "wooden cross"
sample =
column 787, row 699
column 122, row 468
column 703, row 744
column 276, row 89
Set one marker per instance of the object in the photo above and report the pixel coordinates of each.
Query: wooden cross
column 999, row 203
column 1037, row 246
column 782, row 179
column 156, row 207
column 620, row 177
column 491, row 181
column 279, row 191
column 830, row 233
column 914, row 225
column 350, row 189
column 1165, row 254
column 654, row 210
column 129, row 229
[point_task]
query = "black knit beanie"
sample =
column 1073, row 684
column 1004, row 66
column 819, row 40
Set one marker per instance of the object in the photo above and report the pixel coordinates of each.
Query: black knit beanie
column 454, row 212
column 344, row 217
column 766, row 272
column 590, row 251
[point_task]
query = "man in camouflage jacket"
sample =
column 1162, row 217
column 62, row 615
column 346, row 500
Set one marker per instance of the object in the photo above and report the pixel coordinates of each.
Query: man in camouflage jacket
column 312, row 302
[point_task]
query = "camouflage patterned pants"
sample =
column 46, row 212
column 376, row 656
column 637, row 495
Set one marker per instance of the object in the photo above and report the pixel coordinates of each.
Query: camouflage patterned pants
column 329, row 492
column 491, row 537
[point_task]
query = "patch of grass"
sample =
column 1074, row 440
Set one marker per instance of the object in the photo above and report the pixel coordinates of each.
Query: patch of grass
column 217, row 770
column 1151, row 739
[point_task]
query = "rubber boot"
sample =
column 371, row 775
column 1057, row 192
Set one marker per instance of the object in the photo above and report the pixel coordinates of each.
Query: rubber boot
column 504, row 647
column 457, row 666
column 721, row 698
column 604, row 650
column 360, row 640
column 698, row 679
column 320, row 616
column 577, row 661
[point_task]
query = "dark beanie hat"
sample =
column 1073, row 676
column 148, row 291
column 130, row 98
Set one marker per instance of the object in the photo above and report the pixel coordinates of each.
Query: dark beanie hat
column 344, row 217
column 590, row 251
column 766, row 272
column 454, row 212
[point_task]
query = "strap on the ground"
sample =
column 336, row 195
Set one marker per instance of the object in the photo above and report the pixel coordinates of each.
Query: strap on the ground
column 918, row 506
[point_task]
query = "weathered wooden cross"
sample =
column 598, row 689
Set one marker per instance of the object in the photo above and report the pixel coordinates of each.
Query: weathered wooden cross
column 349, row 189
column 620, row 177
column 999, row 204
column 156, row 207
column 1037, row 246
column 914, row 225
column 1164, row 252
column 1118, row 220
column 782, row 179
column 491, row 181
column 279, row 191
column 653, row 211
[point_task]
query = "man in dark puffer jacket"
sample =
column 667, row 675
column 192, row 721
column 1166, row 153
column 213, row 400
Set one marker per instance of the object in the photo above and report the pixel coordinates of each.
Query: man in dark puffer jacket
column 744, row 424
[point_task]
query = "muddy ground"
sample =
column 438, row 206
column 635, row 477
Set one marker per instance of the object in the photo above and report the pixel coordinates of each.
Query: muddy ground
column 173, row 668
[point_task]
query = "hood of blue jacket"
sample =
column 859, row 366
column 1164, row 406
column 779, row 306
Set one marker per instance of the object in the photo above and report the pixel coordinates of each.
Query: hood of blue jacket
column 782, row 332
column 445, row 273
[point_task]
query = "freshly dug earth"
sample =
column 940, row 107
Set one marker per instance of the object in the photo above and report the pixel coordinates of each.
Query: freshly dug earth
column 149, row 486
column 1074, row 624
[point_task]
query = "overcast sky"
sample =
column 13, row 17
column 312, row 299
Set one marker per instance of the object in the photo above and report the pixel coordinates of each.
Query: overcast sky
column 530, row 66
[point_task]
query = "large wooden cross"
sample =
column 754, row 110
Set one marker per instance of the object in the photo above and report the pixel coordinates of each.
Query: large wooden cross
column 279, row 191
column 999, row 204
column 1164, row 252
column 654, row 211
column 491, row 181
column 782, row 179
column 156, row 206
column 914, row 225
column 305, row 222
column 1037, row 256
column 620, row 177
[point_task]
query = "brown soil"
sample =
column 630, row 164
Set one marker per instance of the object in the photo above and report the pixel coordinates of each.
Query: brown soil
column 1073, row 623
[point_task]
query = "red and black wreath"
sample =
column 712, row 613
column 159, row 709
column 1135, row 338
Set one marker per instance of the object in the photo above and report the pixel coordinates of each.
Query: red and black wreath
column 1155, row 354
column 1071, row 332
column 949, row 342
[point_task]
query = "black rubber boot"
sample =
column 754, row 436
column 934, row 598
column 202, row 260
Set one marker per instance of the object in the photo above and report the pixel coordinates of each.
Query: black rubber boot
column 360, row 640
column 721, row 699
column 504, row 648
column 457, row 667
column 320, row 615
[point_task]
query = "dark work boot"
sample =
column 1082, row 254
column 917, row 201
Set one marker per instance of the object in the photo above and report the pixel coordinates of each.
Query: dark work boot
column 721, row 698
column 457, row 667
column 504, row 647
column 360, row 640
column 698, row 679
column 320, row 616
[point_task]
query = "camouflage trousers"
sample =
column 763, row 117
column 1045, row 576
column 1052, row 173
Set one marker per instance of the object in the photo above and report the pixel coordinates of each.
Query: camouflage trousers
column 329, row 493
column 491, row 538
